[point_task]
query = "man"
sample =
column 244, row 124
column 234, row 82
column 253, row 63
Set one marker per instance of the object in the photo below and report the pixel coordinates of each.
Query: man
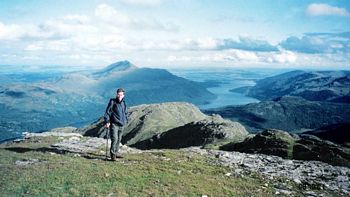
column 116, row 116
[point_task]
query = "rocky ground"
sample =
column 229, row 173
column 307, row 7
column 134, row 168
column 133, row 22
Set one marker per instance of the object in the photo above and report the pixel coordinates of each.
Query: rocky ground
column 292, row 146
column 312, row 177
column 307, row 174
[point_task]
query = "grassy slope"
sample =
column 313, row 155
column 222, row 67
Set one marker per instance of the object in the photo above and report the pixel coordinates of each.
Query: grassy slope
column 154, row 173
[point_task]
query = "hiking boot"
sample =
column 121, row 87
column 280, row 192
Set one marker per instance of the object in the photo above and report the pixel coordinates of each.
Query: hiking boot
column 118, row 155
column 113, row 158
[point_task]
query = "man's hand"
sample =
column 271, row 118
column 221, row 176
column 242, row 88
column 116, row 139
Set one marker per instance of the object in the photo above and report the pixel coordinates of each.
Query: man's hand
column 107, row 125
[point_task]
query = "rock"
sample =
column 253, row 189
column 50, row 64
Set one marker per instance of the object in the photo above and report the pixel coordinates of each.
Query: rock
column 297, row 181
column 76, row 143
column 18, row 140
column 303, row 147
column 179, row 172
column 228, row 174
column 79, row 146
column 310, row 174
column 58, row 132
column 212, row 129
column 283, row 191
column 271, row 142
column 26, row 162
column 310, row 147
column 87, row 145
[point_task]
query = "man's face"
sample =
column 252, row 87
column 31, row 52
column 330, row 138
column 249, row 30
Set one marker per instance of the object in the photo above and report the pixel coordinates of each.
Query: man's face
column 120, row 95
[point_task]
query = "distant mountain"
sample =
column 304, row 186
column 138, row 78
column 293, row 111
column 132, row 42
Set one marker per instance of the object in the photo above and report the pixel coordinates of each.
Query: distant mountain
column 41, row 106
column 143, row 85
column 292, row 114
column 78, row 98
column 146, row 85
column 333, row 86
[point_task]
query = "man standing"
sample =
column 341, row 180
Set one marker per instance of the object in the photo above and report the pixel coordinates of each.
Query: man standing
column 116, row 116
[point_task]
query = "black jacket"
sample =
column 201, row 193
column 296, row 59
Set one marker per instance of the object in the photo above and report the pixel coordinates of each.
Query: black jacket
column 116, row 112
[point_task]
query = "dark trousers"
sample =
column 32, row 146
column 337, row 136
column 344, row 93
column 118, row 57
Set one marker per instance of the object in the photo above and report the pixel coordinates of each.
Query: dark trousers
column 116, row 132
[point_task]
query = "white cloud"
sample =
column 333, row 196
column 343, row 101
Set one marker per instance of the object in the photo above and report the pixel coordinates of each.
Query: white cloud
column 107, row 32
column 240, row 55
column 282, row 57
column 31, row 57
column 203, row 43
column 234, row 57
column 66, row 28
column 53, row 29
column 214, row 56
column 110, row 15
column 318, row 43
column 10, row 32
column 142, row 2
column 76, row 19
column 208, row 43
column 245, row 43
column 325, row 9
column 176, row 45
column 106, row 42
column 33, row 47
column 110, row 34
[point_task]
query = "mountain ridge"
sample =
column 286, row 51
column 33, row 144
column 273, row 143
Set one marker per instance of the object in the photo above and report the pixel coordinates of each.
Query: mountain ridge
column 331, row 86
column 292, row 114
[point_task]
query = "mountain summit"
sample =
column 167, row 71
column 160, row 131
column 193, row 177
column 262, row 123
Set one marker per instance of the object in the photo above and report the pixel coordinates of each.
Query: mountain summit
column 115, row 68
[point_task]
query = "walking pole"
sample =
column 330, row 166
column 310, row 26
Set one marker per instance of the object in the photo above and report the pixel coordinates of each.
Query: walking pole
column 107, row 136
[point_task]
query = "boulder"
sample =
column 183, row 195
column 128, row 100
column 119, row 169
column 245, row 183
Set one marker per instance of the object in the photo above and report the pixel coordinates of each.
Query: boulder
column 310, row 147
column 211, row 130
column 270, row 142
column 285, row 145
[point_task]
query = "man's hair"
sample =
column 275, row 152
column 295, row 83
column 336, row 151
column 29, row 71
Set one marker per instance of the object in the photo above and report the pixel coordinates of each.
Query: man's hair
column 120, row 90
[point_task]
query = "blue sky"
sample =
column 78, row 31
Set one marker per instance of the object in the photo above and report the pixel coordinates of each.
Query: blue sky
column 176, row 33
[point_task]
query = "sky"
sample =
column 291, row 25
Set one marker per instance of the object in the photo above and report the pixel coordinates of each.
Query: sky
column 176, row 33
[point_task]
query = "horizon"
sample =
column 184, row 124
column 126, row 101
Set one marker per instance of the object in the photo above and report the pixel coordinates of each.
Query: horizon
column 177, row 34
column 13, row 69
